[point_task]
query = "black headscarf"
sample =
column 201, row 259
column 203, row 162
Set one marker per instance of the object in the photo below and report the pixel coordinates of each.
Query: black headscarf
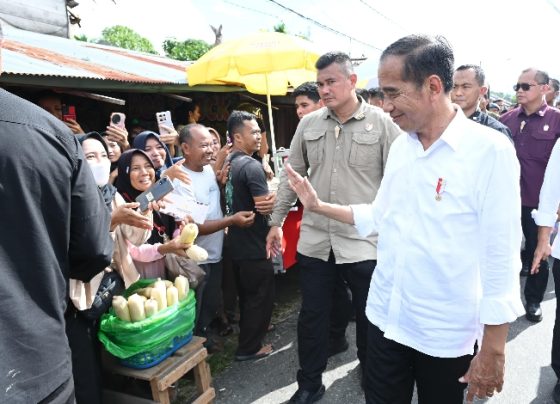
column 124, row 186
column 162, row 223
column 140, row 143
column 108, row 191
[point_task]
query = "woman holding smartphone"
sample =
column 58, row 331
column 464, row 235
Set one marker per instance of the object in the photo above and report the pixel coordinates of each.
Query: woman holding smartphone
column 158, row 152
column 137, row 173
column 127, row 227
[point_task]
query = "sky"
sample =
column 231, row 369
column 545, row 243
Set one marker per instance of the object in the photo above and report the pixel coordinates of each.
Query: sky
column 504, row 37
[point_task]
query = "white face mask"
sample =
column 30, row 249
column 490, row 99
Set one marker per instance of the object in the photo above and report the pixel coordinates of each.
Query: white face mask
column 100, row 171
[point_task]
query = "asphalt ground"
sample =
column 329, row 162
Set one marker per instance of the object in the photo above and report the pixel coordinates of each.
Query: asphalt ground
column 529, row 377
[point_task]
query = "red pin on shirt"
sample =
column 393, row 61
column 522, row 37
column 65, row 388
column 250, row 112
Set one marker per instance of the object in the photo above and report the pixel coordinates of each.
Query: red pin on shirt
column 439, row 188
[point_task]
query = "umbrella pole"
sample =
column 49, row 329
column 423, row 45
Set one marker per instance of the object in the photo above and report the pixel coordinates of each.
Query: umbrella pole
column 272, row 137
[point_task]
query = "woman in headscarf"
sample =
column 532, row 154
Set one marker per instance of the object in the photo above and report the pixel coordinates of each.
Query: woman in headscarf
column 127, row 226
column 136, row 173
column 158, row 152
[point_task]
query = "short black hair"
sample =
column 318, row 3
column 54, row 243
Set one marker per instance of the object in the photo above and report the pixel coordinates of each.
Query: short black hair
column 309, row 89
column 555, row 84
column 424, row 56
column 541, row 76
column 340, row 58
column 236, row 121
column 181, row 111
column 185, row 135
column 362, row 92
column 44, row 94
column 478, row 73
column 376, row 93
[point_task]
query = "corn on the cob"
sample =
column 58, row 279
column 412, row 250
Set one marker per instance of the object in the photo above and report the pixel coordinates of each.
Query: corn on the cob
column 151, row 307
column 136, row 308
column 197, row 253
column 120, row 305
column 182, row 285
column 189, row 233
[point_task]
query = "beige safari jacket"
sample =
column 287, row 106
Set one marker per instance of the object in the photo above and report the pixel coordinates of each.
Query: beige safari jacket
column 344, row 169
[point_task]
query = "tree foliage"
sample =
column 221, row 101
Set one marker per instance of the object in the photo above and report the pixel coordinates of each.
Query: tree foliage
column 280, row 27
column 124, row 37
column 191, row 49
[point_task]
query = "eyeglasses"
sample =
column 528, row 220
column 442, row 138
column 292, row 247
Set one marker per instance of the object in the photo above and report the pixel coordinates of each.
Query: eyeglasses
column 523, row 86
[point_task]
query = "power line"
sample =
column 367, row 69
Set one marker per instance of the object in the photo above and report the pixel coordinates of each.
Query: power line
column 383, row 15
column 250, row 9
column 324, row 26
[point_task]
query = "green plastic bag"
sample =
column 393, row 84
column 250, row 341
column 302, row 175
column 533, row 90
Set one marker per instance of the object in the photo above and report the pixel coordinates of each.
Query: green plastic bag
column 123, row 339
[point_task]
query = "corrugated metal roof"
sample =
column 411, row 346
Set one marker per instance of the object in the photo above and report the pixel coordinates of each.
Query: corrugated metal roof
column 29, row 53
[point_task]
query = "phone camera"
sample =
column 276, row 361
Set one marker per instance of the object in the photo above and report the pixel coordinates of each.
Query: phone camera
column 116, row 119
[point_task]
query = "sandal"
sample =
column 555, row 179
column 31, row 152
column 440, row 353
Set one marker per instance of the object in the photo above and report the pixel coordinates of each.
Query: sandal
column 256, row 355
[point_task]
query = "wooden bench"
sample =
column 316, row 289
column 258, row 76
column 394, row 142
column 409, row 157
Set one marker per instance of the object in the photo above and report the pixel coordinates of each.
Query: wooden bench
column 189, row 357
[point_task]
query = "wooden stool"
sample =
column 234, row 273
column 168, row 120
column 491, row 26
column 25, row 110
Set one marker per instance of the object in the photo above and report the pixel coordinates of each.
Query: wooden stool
column 162, row 376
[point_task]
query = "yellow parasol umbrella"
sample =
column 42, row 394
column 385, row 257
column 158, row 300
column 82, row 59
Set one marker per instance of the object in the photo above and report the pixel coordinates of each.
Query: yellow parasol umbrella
column 266, row 63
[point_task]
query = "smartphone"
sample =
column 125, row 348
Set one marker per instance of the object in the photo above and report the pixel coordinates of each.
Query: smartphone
column 157, row 191
column 117, row 119
column 164, row 119
column 68, row 112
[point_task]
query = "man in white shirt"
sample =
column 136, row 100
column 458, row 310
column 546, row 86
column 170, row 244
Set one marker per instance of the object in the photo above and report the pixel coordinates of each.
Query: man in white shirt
column 196, row 144
column 545, row 217
column 448, row 218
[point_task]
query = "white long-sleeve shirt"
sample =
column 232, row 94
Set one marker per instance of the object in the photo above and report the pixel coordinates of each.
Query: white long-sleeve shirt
column 549, row 197
column 447, row 266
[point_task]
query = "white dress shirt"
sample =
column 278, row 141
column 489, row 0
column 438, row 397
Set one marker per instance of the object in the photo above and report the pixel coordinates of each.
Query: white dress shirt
column 448, row 256
column 549, row 198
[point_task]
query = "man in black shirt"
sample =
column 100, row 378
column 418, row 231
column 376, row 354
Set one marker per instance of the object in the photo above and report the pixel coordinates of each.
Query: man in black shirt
column 468, row 88
column 54, row 225
column 254, row 272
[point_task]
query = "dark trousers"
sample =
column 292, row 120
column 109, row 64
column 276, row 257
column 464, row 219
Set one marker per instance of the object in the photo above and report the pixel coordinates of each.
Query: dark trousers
column 556, row 332
column 86, row 357
column 255, row 283
column 341, row 312
column 210, row 296
column 393, row 368
column 229, row 288
column 536, row 284
column 318, row 280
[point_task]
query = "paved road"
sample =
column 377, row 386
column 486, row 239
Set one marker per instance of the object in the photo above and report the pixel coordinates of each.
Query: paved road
column 529, row 378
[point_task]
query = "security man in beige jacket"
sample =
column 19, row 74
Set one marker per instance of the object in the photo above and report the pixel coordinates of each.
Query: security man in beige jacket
column 343, row 148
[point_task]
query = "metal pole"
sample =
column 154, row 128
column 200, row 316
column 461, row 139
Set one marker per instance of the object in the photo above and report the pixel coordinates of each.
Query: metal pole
column 272, row 137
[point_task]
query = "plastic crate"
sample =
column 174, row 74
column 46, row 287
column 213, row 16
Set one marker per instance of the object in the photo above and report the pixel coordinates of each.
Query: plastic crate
column 157, row 355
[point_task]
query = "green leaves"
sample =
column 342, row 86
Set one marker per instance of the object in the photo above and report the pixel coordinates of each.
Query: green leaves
column 191, row 49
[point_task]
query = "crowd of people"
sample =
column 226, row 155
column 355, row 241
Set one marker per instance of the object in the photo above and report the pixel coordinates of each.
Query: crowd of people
column 428, row 150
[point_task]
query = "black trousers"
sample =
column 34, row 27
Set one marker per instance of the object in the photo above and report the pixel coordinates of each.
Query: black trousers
column 556, row 332
column 209, row 296
column 342, row 310
column 393, row 368
column 319, row 307
column 255, row 283
column 536, row 284
column 86, row 357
